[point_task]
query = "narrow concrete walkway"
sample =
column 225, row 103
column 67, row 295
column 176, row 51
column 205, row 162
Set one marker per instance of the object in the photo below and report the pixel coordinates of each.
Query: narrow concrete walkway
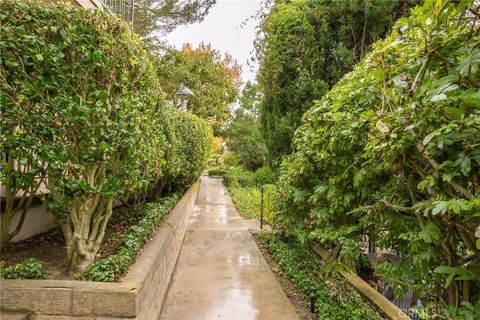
column 221, row 274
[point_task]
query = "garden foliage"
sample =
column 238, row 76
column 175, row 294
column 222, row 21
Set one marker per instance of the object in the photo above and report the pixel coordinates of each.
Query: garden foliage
column 213, row 78
column 27, row 269
column 335, row 298
column 83, row 113
column 393, row 152
column 304, row 47
column 246, row 141
column 149, row 216
column 248, row 201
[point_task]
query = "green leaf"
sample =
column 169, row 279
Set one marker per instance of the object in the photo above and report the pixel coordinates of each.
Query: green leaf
column 423, row 184
column 456, row 113
column 440, row 207
column 449, row 280
column 449, row 270
column 473, row 97
column 447, row 177
column 429, row 137
column 450, row 88
column 439, row 97
column 430, row 232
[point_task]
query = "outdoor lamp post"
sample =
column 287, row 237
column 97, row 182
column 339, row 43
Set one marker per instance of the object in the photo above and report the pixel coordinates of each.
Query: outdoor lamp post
column 183, row 93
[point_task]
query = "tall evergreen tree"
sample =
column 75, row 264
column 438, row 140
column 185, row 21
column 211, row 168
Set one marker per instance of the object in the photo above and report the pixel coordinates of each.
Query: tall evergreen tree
column 304, row 48
column 154, row 18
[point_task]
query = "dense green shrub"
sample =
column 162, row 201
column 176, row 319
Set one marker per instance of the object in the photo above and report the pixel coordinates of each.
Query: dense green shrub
column 241, row 177
column 304, row 48
column 235, row 181
column 336, row 299
column 248, row 201
column 27, row 269
column 81, row 103
column 231, row 159
column 238, row 176
column 393, row 152
column 216, row 172
column 240, row 171
column 264, row 175
column 192, row 145
column 111, row 268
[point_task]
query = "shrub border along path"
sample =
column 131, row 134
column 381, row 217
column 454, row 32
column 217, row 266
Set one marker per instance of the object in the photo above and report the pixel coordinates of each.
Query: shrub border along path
column 288, row 270
column 334, row 298
column 139, row 296
column 112, row 267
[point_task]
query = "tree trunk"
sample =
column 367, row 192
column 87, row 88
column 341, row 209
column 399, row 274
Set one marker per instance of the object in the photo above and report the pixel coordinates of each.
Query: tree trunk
column 9, row 211
column 404, row 8
column 5, row 229
column 80, row 263
column 12, row 205
column 84, row 230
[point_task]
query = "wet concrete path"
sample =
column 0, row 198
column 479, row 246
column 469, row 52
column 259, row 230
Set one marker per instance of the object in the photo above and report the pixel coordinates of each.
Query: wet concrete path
column 220, row 273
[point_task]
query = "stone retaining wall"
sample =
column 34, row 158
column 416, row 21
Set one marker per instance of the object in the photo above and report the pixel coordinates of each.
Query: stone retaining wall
column 139, row 296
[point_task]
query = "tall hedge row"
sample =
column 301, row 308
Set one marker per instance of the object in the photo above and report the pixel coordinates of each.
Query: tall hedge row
column 392, row 152
column 83, row 113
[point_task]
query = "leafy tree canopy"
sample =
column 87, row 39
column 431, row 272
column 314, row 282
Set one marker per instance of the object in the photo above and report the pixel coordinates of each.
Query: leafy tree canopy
column 249, row 98
column 244, row 136
column 304, row 48
column 214, row 79
column 154, row 18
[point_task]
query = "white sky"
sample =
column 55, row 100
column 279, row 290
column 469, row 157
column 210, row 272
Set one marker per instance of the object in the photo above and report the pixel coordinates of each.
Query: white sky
column 222, row 29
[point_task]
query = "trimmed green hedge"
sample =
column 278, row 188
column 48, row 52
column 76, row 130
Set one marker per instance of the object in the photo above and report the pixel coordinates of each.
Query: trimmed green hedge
column 234, row 180
column 81, row 103
column 193, row 143
column 216, row 172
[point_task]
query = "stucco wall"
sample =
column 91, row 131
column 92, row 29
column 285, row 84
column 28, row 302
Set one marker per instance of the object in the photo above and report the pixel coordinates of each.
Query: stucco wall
column 38, row 220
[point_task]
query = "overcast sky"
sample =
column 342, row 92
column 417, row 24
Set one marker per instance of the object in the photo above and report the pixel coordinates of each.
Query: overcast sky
column 222, row 28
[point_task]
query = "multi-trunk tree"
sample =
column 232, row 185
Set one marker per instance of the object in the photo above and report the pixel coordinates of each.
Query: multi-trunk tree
column 84, row 113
